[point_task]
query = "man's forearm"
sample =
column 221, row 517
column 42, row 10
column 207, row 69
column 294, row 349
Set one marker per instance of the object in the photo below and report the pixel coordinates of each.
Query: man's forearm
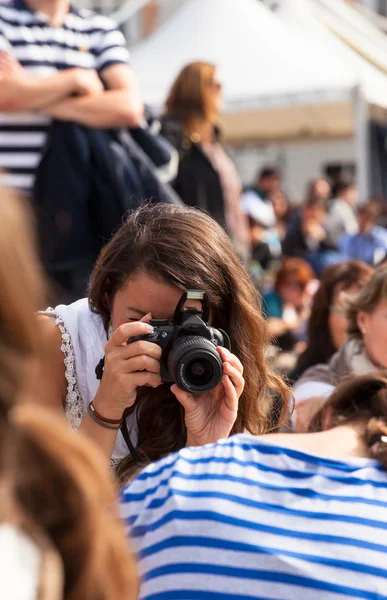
column 28, row 92
column 111, row 109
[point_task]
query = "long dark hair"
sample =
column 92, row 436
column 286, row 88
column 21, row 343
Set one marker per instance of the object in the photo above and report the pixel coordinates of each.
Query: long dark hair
column 361, row 399
column 335, row 278
column 188, row 249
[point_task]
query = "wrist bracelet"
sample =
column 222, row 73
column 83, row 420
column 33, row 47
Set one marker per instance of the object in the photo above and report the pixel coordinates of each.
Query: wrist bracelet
column 104, row 419
column 93, row 416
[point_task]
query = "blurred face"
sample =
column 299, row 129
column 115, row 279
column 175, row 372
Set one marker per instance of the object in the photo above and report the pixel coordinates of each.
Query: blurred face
column 337, row 321
column 216, row 90
column 373, row 327
column 350, row 195
column 280, row 204
column 142, row 295
column 292, row 293
column 322, row 189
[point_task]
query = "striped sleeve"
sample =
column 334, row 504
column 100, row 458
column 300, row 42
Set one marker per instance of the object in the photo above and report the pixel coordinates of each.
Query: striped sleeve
column 111, row 50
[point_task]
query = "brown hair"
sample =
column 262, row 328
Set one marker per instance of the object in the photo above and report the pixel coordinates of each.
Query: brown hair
column 335, row 278
column 190, row 97
column 62, row 487
column 360, row 399
column 296, row 269
column 21, row 294
column 187, row 248
column 53, row 484
column 369, row 298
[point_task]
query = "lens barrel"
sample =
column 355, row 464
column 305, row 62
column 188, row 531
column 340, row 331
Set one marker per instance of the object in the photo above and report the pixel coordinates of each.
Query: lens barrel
column 194, row 364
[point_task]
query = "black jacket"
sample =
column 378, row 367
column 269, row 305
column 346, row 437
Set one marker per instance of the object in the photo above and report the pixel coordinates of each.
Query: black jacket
column 197, row 182
column 86, row 182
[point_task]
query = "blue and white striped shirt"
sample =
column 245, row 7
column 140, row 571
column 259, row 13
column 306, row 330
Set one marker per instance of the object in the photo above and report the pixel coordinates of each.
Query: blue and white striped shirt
column 244, row 519
column 85, row 40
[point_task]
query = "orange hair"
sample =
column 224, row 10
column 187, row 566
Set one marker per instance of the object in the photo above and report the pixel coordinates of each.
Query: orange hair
column 295, row 269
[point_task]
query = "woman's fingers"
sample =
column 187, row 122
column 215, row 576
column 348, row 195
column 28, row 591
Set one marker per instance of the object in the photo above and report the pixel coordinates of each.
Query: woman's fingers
column 142, row 363
column 235, row 376
column 144, row 378
column 186, row 399
column 129, row 330
column 231, row 400
column 227, row 356
column 140, row 348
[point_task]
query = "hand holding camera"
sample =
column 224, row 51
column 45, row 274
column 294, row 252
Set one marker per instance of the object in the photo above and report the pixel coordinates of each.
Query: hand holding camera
column 127, row 367
column 208, row 378
column 195, row 357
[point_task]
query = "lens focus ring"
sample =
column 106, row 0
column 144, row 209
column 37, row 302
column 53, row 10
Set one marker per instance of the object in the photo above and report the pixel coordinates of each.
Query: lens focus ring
column 195, row 364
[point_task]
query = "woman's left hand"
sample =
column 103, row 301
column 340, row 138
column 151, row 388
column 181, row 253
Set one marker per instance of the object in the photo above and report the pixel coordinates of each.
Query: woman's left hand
column 211, row 416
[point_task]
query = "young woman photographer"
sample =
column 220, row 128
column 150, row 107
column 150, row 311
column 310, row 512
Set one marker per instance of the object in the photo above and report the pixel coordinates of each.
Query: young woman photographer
column 159, row 252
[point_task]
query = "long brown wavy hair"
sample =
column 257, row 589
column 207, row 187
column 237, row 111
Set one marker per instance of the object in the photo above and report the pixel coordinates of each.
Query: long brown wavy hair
column 55, row 487
column 188, row 249
column 191, row 96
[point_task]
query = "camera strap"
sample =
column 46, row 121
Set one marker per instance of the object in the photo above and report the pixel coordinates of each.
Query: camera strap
column 126, row 435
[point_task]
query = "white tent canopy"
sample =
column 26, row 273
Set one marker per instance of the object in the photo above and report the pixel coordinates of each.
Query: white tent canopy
column 315, row 21
column 285, row 75
column 262, row 62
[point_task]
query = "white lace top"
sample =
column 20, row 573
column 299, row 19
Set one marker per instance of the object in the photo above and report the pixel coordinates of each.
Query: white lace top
column 83, row 345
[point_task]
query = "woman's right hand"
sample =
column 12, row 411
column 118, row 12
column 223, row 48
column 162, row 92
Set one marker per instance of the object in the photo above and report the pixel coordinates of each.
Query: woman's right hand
column 127, row 367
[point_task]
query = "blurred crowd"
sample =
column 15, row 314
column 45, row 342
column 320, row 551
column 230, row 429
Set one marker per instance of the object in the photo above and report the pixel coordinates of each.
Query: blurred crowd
column 202, row 415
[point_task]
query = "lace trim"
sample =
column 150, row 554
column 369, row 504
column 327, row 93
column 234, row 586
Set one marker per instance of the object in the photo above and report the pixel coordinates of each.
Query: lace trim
column 74, row 408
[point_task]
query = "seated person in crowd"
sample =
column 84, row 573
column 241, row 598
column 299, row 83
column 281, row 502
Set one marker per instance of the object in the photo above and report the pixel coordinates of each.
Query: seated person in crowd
column 287, row 305
column 327, row 324
column 364, row 351
column 319, row 188
column 280, row 516
column 370, row 243
column 306, row 236
column 342, row 216
column 268, row 182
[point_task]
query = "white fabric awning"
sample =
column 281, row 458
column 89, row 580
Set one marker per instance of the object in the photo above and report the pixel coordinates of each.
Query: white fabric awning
column 286, row 74
column 262, row 62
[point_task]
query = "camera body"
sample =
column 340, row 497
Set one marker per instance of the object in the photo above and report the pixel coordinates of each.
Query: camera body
column 189, row 356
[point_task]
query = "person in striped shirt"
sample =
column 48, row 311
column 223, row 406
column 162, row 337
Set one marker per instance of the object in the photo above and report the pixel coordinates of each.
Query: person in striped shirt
column 57, row 61
column 279, row 517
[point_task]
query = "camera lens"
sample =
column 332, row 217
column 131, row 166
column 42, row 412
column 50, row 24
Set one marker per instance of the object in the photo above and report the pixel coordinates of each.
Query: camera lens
column 195, row 365
column 199, row 372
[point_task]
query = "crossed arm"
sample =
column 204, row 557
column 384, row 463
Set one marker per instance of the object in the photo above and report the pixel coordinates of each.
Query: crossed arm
column 73, row 94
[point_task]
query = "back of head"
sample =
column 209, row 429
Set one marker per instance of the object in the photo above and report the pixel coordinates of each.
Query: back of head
column 359, row 400
column 21, row 295
column 52, row 484
column 59, row 487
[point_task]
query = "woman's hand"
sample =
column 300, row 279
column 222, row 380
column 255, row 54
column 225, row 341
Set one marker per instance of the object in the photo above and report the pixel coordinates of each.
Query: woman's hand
column 211, row 416
column 127, row 367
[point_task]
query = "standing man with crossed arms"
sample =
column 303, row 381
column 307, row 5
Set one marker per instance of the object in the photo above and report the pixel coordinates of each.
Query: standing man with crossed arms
column 57, row 61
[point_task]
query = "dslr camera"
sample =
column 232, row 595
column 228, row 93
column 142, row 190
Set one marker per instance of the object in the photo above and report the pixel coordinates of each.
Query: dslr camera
column 189, row 356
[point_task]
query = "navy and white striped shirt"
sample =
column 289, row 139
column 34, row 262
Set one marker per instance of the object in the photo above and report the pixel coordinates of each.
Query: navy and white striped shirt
column 245, row 519
column 85, row 40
